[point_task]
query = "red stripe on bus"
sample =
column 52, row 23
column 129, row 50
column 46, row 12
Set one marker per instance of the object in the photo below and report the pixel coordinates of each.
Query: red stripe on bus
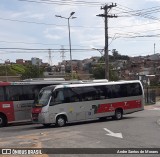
column 5, row 83
column 37, row 110
column 7, row 109
column 110, row 107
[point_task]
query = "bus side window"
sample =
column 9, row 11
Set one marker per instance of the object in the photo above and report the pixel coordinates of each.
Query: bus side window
column 76, row 94
column 1, row 94
column 123, row 90
column 108, row 92
column 89, row 93
column 59, row 96
column 28, row 92
column 134, row 89
column 72, row 95
column 100, row 92
column 116, row 93
column 14, row 93
column 137, row 89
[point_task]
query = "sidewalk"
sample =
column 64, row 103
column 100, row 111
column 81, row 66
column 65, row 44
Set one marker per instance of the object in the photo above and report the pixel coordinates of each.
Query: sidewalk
column 153, row 106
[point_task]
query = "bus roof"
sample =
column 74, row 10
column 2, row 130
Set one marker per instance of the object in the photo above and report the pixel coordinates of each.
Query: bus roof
column 91, row 84
column 43, row 79
column 39, row 82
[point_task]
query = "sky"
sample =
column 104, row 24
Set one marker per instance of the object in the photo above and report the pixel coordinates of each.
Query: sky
column 32, row 24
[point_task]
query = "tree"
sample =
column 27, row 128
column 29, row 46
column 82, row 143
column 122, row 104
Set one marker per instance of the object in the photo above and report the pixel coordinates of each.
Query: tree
column 99, row 73
column 115, row 54
column 32, row 71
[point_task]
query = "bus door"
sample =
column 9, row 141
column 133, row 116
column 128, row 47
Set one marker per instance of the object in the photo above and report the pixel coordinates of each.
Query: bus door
column 80, row 113
column 29, row 94
column 86, row 109
column 76, row 107
column 22, row 98
column 91, row 96
column 13, row 94
column 90, row 112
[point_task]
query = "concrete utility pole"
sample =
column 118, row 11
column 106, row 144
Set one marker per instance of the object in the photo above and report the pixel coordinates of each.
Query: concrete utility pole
column 106, row 9
column 155, row 59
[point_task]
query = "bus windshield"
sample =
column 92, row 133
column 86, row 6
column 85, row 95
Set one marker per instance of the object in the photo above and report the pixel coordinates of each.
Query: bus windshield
column 43, row 98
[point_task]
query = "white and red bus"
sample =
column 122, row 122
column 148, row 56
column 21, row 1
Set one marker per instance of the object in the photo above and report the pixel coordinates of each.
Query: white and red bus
column 16, row 99
column 59, row 104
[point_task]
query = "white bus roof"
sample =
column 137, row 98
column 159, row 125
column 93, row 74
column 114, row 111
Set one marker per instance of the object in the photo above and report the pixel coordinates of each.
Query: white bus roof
column 43, row 79
column 91, row 84
column 44, row 82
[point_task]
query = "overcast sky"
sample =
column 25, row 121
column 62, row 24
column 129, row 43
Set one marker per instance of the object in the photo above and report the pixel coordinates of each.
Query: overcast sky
column 33, row 25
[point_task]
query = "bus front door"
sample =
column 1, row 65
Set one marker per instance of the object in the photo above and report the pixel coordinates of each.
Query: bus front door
column 80, row 114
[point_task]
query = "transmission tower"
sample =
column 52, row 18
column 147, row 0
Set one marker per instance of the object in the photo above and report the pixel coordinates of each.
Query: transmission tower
column 62, row 52
column 50, row 57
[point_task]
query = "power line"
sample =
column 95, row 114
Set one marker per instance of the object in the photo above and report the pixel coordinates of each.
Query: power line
column 36, row 49
column 136, row 14
column 74, row 3
column 42, row 23
column 142, row 11
column 51, row 24
column 132, row 33
column 29, row 43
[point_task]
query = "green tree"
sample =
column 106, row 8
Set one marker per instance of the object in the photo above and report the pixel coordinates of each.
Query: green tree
column 117, row 56
column 32, row 71
column 99, row 73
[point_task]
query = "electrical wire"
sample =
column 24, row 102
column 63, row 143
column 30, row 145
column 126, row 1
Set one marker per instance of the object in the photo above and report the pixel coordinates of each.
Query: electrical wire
column 73, row 3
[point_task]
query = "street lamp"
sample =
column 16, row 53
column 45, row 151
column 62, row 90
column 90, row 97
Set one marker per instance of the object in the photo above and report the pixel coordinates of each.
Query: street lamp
column 71, row 15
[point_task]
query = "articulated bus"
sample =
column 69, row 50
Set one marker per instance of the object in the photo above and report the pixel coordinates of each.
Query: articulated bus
column 16, row 99
column 61, row 104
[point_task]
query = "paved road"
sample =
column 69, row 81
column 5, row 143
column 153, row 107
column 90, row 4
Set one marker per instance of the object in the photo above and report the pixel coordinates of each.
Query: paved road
column 139, row 130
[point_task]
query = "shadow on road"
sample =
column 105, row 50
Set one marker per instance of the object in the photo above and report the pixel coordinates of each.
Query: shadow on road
column 84, row 123
column 30, row 126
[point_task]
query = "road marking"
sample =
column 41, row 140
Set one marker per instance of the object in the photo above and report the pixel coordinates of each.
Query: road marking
column 110, row 133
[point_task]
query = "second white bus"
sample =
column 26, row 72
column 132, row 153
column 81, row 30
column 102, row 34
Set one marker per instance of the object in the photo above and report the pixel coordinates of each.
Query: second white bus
column 61, row 104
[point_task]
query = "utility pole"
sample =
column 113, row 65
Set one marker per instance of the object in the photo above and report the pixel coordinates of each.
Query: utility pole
column 154, row 59
column 50, row 58
column 106, row 9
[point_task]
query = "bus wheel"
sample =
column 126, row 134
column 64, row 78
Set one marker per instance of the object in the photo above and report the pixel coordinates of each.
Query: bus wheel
column 46, row 125
column 3, row 120
column 118, row 114
column 61, row 121
column 103, row 118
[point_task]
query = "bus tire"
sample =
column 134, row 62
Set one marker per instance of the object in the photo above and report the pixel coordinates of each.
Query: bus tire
column 103, row 119
column 47, row 125
column 3, row 120
column 118, row 114
column 61, row 121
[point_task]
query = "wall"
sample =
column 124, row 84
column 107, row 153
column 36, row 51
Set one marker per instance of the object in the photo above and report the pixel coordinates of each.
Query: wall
column 10, row 78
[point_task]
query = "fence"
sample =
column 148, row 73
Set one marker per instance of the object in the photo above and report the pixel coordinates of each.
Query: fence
column 150, row 96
